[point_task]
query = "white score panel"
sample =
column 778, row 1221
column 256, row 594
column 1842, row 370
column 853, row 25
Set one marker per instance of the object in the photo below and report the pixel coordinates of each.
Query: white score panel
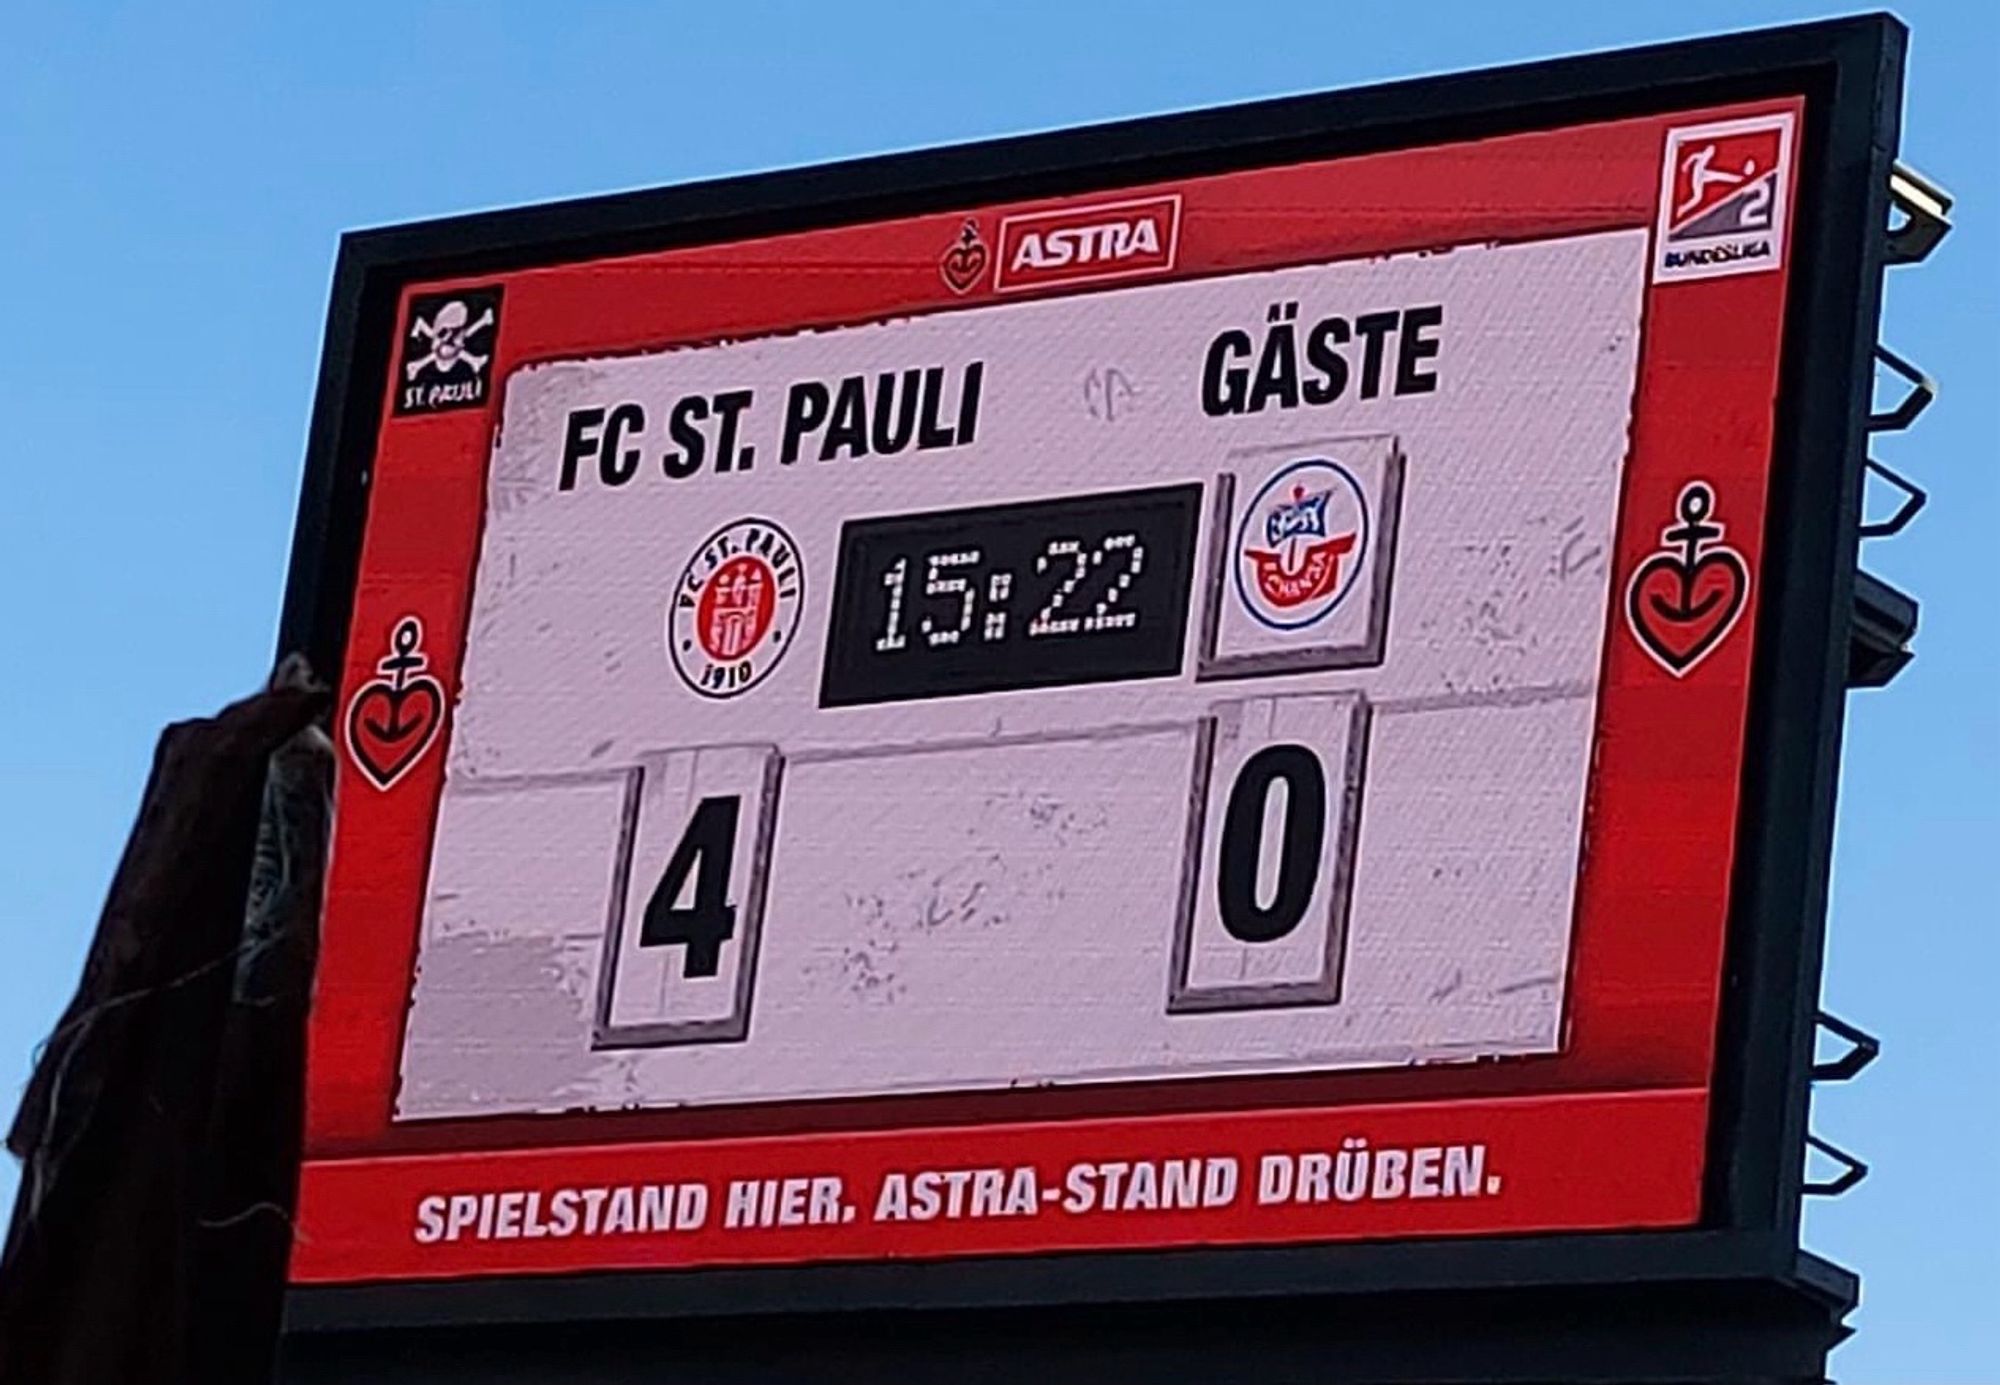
column 1269, row 907
column 1326, row 812
column 986, row 914
column 682, row 949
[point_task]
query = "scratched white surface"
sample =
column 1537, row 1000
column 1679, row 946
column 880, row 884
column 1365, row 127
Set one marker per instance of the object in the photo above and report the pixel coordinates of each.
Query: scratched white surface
column 1002, row 914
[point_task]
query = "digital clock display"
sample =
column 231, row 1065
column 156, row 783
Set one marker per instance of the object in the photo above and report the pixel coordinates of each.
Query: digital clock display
column 1085, row 589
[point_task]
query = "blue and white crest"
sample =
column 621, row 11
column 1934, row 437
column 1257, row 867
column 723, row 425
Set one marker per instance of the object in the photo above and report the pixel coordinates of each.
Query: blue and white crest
column 1304, row 517
column 1313, row 516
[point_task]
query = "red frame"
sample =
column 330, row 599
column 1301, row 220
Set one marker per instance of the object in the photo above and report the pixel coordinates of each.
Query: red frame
column 1611, row 1132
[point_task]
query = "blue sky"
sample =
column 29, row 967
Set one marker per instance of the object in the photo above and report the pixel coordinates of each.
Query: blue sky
column 171, row 185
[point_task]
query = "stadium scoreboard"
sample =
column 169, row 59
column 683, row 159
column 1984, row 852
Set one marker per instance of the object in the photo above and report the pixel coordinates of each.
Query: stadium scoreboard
column 1193, row 692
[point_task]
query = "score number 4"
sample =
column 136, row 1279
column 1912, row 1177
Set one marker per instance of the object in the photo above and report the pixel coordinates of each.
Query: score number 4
column 706, row 852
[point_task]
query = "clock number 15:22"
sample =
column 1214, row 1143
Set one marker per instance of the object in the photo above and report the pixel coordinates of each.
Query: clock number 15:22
column 1089, row 595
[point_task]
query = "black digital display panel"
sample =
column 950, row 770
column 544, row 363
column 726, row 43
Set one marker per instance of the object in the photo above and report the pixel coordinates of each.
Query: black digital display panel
column 1084, row 589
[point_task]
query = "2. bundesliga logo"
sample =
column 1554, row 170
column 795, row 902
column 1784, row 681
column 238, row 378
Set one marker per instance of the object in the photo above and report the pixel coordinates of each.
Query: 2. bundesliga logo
column 1311, row 520
column 1722, row 199
column 736, row 607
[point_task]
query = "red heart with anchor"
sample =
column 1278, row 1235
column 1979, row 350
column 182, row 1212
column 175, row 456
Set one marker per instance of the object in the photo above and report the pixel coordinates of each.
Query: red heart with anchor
column 962, row 265
column 1681, row 612
column 395, row 716
column 389, row 728
column 1685, row 598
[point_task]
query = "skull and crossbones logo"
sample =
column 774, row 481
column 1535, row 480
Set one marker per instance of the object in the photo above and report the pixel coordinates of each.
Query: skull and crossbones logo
column 448, row 331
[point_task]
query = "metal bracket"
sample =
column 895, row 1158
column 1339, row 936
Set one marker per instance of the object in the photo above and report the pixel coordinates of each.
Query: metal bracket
column 1878, row 636
column 1926, row 211
column 1852, row 1171
column 1914, row 499
column 1922, row 391
column 1863, row 1049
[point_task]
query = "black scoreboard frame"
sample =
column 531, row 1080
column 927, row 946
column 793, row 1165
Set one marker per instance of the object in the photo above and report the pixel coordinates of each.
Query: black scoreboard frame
column 1849, row 72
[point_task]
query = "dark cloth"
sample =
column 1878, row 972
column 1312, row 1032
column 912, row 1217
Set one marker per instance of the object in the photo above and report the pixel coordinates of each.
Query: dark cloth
column 159, row 1132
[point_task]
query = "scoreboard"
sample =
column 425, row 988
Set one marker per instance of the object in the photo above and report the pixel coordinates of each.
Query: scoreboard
column 1059, row 706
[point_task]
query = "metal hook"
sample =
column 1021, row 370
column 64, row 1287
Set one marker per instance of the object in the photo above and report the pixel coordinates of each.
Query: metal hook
column 1852, row 1171
column 1922, row 391
column 1864, row 1048
column 1914, row 499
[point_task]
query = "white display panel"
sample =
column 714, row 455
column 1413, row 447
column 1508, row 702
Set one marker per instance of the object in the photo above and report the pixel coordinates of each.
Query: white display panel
column 1285, row 779
column 1023, row 886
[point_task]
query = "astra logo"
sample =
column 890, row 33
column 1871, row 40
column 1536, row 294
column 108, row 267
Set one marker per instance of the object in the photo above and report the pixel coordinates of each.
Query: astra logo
column 1114, row 240
column 1105, row 241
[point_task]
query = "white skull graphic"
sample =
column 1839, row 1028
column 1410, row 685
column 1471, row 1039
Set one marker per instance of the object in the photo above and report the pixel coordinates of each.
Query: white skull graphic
column 447, row 331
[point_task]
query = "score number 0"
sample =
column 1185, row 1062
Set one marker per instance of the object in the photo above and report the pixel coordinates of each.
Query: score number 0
column 1264, row 921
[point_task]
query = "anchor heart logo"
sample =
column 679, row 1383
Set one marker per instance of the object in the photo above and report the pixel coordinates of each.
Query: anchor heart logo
column 394, row 717
column 1685, row 598
column 963, row 263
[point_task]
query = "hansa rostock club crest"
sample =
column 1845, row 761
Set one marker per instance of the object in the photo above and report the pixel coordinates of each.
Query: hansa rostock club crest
column 736, row 608
column 1302, row 543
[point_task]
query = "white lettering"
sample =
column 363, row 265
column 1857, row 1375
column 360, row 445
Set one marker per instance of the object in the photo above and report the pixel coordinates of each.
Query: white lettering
column 430, row 1219
column 507, row 1225
column 1110, row 240
column 892, row 1203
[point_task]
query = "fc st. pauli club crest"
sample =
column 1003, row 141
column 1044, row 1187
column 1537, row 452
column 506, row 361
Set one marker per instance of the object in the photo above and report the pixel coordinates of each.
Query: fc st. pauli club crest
column 735, row 609
column 1301, row 544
